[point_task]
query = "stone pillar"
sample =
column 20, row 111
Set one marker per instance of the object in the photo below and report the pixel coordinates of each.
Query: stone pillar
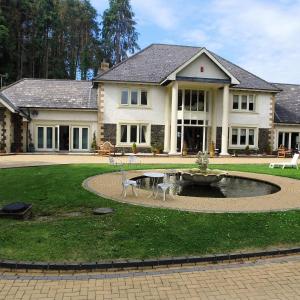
column 8, row 131
column 213, row 116
column 224, row 144
column 100, row 125
column 173, row 145
column 167, row 122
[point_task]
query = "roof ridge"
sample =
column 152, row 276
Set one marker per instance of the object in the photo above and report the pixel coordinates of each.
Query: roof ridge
column 177, row 45
column 298, row 84
column 214, row 54
column 121, row 62
column 12, row 84
column 57, row 79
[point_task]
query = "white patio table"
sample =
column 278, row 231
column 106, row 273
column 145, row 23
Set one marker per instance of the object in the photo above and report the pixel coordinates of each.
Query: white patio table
column 155, row 176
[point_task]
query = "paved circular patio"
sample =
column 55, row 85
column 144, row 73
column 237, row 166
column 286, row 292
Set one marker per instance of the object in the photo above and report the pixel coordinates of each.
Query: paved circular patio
column 109, row 186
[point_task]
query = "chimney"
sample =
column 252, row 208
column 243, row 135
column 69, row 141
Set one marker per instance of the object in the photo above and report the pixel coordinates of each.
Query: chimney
column 104, row 66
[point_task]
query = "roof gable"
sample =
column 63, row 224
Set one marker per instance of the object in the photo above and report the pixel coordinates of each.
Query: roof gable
column 214, row 69
column 158, row 61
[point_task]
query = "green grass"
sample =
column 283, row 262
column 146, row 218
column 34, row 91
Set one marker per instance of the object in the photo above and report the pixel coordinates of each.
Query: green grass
column 131, row 232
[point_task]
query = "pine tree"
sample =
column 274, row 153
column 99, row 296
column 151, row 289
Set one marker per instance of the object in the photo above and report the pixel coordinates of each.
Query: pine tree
column 119, row 36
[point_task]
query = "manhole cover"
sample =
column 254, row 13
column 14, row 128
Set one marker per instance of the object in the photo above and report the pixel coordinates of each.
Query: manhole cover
column 102, row 211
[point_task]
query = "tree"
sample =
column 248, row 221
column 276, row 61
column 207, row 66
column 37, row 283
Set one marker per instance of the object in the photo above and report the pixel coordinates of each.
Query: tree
column 119, row 36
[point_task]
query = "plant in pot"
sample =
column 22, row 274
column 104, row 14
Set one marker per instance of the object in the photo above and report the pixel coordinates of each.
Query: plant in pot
column 154, row 149
column 247, row 150
column 159, row 149
column 212, row 150
column 94, row 143
column 134, row 148
column 2, row 147
column 184, row 149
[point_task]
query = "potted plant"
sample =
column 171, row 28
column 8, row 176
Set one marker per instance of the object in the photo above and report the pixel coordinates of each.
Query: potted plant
column 31, row 147
column 134, row 149
column 94, row 143
column 2, row 147
column 154, row 149
column 247, row 150
column 159, row 148
column 184, row 149
column 212, row 150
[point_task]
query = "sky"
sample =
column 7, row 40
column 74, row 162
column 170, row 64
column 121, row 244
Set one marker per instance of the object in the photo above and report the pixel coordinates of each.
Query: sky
column 262, row 36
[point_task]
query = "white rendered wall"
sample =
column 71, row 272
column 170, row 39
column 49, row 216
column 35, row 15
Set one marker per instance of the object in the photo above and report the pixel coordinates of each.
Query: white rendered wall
column 211, row 70
column 64, row 117
column 260, row 118
column 115, row 113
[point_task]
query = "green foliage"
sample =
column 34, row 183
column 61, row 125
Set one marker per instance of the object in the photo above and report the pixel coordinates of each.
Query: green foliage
column 94, row 143
column 49, row 39
column 132, row 231
column 119, row 35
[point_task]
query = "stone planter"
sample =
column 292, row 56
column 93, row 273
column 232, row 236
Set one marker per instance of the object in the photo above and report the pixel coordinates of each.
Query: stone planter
column 203, row 178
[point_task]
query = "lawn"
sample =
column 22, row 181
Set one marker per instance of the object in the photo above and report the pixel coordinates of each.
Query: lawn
column 131, row 232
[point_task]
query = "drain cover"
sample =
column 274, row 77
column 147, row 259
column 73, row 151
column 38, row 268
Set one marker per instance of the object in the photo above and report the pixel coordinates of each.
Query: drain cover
column 15, row 207
column 102, row 211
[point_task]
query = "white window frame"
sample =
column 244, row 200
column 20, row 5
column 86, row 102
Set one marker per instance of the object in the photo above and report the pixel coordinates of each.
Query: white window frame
column 238, row 145
column 240, row 96
column 128, row 143
column 80, row 138
column 45, row 148
column 139, row 96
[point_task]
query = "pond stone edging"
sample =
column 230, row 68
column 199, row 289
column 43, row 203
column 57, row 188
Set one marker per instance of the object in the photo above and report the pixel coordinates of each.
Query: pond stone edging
column 138, row 263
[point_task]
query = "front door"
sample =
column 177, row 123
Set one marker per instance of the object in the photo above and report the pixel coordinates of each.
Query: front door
column 193, row 139
column 64, row 138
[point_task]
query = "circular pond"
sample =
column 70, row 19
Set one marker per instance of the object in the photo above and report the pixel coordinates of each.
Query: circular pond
column 228, row 187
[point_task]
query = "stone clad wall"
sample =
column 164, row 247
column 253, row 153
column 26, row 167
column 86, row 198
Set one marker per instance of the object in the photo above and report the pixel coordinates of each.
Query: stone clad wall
column 3, row 146
column 264, row 139
column 157, row 135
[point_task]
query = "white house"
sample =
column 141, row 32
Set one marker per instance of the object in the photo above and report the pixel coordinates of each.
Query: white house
column 170, row 96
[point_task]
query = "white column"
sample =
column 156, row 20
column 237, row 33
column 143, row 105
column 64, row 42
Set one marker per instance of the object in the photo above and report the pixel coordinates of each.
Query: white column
column 167, row 121
column 290, row 140
column 173, row 145
column 213, row 116
column 224, row 145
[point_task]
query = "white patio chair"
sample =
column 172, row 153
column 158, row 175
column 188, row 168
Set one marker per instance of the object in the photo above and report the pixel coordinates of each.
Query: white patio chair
column 127, row 183
column 132, row 159
column 291, row 164
column 114, row 162
column 164, row 187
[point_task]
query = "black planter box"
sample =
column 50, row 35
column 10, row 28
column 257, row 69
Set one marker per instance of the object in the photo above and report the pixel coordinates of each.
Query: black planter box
column 23, row 215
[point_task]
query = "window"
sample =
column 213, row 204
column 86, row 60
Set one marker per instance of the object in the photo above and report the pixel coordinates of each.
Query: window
column 75, row 138
column 80, row 138
column 124, row 97
column 123, row 133
column 144, row 98
column 201, row 101
column 235, row 104
column 241, row 137
column 49, row 137
column 134, row 97
column 84, row 142
column 143, row 133
column 243, row 102
column 40, row 137
column 234, row 136
column 251, row 137
column 133, row 133
column 194, row 100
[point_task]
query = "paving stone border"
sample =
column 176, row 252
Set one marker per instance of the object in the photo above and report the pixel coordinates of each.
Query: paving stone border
column 139, row 264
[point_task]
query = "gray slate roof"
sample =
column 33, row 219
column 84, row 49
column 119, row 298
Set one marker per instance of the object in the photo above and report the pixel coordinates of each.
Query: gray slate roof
column 158, row 61
column 51, row 93
column 287, row 105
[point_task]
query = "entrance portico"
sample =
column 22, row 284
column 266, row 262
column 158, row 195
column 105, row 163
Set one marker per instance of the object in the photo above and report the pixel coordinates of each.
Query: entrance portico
column 191, row 117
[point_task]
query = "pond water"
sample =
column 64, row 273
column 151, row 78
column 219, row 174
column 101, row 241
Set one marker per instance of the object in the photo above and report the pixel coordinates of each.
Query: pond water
column 228, row 187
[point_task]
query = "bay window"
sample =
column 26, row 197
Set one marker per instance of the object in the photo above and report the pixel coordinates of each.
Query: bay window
column 133, row 133
column 243, row 103
column 241, row 137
